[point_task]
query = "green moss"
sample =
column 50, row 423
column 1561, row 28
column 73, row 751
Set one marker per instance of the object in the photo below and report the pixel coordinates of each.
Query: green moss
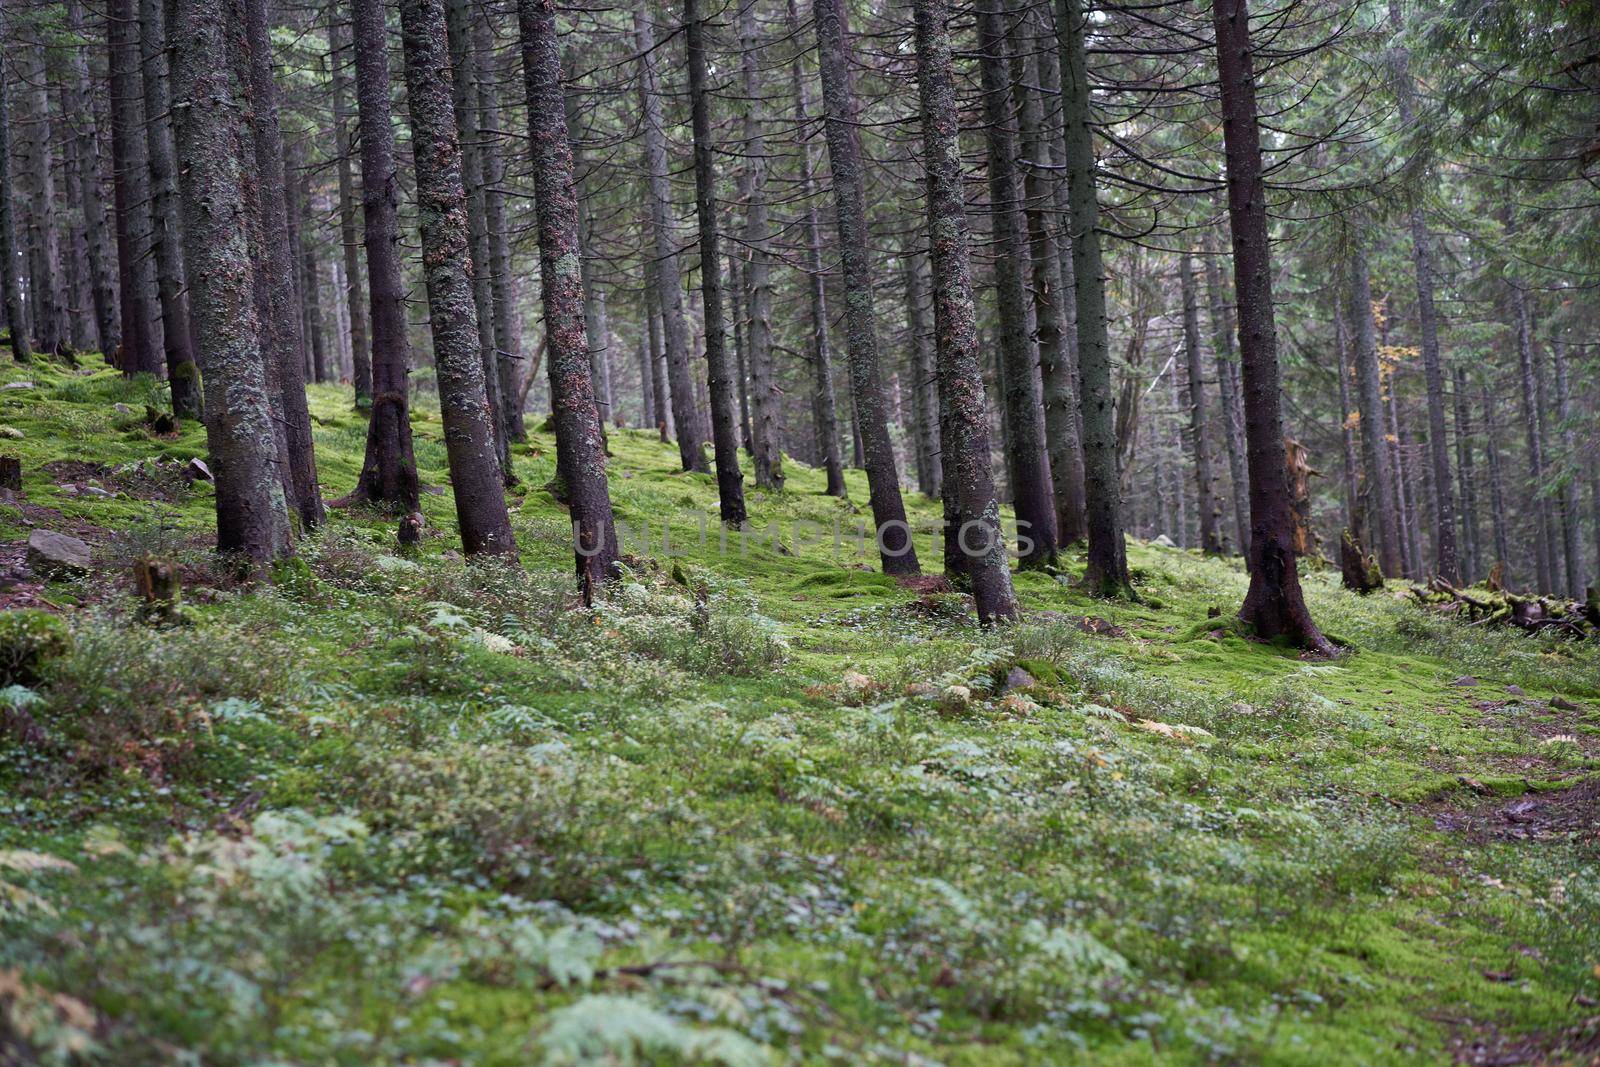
column 773, row 777
column 29, row 640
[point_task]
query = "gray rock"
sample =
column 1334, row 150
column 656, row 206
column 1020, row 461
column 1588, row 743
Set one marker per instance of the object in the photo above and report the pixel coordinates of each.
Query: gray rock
column 197, row 469
column 1164, row 542
column 1017, row 678
column 1515, row 690
column 96, row 491
column 1465, row 680
column 1563, row 704
column 57, row 555
column 121, row 409
column 12, row 432
column 17, row 385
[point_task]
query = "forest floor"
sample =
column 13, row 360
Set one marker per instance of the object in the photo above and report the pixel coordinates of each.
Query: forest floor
column 759, row 806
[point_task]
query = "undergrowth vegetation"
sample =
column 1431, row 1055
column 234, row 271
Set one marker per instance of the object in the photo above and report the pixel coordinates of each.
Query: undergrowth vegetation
column 757, row 806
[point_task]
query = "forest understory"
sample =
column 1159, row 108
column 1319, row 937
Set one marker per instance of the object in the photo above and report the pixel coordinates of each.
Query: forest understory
column 761, row 806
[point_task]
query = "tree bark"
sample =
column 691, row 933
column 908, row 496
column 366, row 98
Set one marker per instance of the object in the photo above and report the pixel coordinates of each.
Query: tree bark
column 1567, row 499
column 284, row 342
column 898, row 554
column 183, row 378
column 10, row 287
column 1446, row 557
column 1057, row 360
column 476, row 477
column 311, row 289
column 580, row 452
column 212, row 105
column 1032, row 496
column 389, row 469
column 502, row 279
column 1497, row 503
column 1106, row 569
column 1527, row 378
column 90, row 193
column 1378, row 485
column 1223, row 355
column 824, row 399
column 1274, row 607
column 36, row 179
column 463, row 62
column 766, row 454
column 1471, row 564
column 669, row 289
column 924, row 399
column 1205, row 486
column 964, row 424
column 1354, row 519
column 355, row 306
column 141, row 352
column 719, row 375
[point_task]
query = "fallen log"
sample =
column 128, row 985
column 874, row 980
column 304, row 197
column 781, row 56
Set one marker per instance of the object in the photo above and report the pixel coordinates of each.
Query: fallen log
column 1531, row 612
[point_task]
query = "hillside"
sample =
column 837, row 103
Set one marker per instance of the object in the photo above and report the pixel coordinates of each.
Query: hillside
column 759, row 805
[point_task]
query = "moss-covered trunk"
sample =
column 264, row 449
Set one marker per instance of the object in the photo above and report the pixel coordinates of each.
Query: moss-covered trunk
column 898, row 554
column 972, row 510
column 469, row 431
column 212, row 101
column 580, row 451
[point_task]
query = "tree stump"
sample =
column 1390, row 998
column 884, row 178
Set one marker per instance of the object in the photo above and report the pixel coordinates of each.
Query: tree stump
column 1358, row 569
column 157, row 583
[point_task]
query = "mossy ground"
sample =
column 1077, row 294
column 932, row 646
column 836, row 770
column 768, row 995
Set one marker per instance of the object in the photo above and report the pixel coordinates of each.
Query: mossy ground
column 765, row 804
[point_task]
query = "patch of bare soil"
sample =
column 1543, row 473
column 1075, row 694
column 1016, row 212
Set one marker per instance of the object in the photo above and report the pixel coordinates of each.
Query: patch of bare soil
column 1483, row 1045
column 1570, row 814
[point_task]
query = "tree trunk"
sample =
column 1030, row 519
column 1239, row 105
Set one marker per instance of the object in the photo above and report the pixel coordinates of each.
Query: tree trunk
column 580, row 452
column 1446, row 562
column 36, row 177
column 355, row 306
column 597, row 326
column 1378, row 485
column 166, row 232
column 741, row 377
column 284, row 343
column 1106, row 568
column 1567, row 501
column 1354, row 520
column 647, row 396
column 1274, row 606
column 1210, row 538
column 1404, row 489
column 130, row 167
column 824, row 400
column 660, row 393
column 10, row 287
column 252, row 514
column 389, row 469
column 766, row 453
column 463, row 62
column 502, row 278
column 1032, row 496
column 1497, row 497
column 90, row 193
column 895, row 548
column 669, row 290
column 311, row 289
column 1222, row 354
column 476, row 477
column 924, row 399
column 1531, row 420
column 964, row 423
column 1471, row 563
column 719, row 375
column 1057, row 361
